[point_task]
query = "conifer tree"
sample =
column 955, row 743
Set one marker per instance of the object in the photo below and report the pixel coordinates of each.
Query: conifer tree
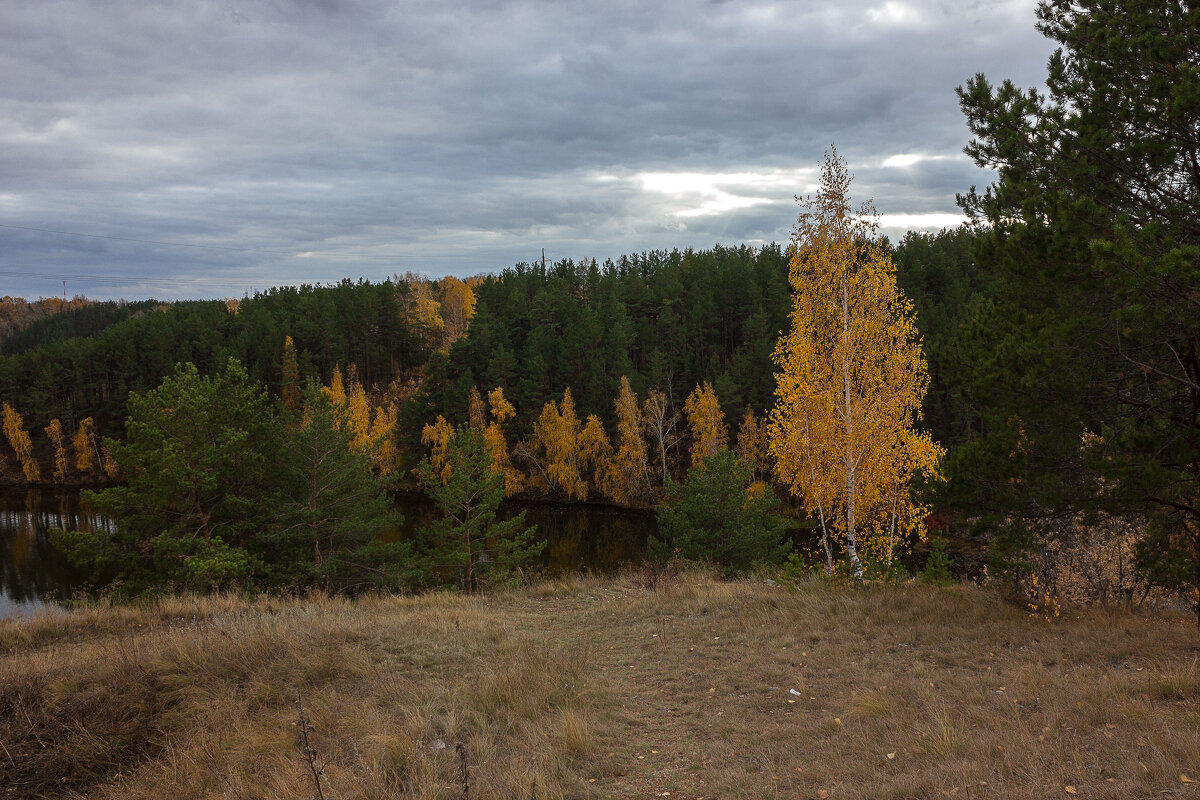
column 468, row 536
column 290, row 388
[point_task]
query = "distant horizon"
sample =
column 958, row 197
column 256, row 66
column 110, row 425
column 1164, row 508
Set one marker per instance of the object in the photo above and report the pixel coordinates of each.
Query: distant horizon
column 252, row 290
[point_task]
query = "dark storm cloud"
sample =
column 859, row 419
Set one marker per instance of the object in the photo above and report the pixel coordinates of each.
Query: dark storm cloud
column 303, row 141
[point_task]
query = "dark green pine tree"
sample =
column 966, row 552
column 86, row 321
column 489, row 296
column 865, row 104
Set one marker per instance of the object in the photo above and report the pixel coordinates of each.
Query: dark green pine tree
column 469, row 539
column 711, row 517
column 199, row 461
column 335, row 512
column 1095, row 225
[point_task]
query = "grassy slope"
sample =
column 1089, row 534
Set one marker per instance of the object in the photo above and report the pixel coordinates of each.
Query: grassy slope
column 603, row 688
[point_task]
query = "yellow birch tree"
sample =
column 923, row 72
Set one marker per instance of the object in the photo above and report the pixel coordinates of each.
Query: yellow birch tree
column 497, row 444
column 851, row 372
column 22, row 445
column 475, row 410
column 436, row 437
column 659, row 418
column 710, row 434
column 54, row 432
column 336, row 390
column 628, row 473
column 84, row 442
column 557, row 432
column 458, row 306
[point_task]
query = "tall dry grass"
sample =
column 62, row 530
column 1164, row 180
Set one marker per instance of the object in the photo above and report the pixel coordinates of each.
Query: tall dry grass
column 593, row 687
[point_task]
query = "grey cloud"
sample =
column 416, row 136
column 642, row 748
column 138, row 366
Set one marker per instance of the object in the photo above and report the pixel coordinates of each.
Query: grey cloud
column 459, row 137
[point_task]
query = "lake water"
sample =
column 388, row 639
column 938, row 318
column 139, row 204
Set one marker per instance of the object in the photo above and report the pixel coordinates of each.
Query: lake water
column 34, row 574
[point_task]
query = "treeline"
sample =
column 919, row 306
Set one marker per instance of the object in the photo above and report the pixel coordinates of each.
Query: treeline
column 380, row 328
column 668, row 322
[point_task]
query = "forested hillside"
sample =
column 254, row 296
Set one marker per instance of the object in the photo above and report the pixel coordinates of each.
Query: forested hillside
column 668, row 321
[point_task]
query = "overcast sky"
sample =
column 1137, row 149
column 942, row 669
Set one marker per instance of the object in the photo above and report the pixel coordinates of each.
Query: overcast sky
column 188, row 148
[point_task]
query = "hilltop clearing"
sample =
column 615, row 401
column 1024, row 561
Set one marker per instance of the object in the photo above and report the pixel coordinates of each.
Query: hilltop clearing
column 625, row 687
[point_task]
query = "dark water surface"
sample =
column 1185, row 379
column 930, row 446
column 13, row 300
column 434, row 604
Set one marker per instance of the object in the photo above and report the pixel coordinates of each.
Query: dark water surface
column 34, row 575
column 601, row 538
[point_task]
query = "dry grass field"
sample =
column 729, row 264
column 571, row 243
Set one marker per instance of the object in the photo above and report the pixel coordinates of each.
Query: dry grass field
column 602, row 687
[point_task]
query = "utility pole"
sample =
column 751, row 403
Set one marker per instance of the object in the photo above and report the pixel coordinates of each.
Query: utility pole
column 543, row 259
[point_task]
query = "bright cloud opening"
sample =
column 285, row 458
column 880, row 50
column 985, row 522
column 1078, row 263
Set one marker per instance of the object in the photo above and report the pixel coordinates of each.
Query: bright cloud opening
column 935, row 220
column 700, row 194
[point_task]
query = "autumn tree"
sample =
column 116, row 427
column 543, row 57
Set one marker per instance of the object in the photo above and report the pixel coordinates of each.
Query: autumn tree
column 290, row 388
column 87, row 454
column 493, row 435
column 458, row 306
column 336, row 390
column 421, row 310
column 595, row 449
column 54, row 432
column 22, row 445
column 627, row 478
column 556, row 433
column 706, row 422
column 660, row 420
column 436, row 436
column 851, row 372
column 751, row 445
column 476, row 412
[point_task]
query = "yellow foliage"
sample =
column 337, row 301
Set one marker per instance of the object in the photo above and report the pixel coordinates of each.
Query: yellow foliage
column 594, row 447
column 707, row 423
column 55, row 433
column 497, row 445
column 502, row 410
column 109, row 463
column 84, row 443
column 475, row 410
column 336, row 390
column 752, row 443
column 458, row 306
column 22, row 445
column 357, row 419
column 851, row 373
column 627, row 476
column 421, row 310
column 383, row 439
column 437, row 438
column 557, row 431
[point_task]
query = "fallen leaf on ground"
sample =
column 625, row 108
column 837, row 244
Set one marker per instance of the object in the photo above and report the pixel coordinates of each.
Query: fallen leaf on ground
column 1070, row 789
